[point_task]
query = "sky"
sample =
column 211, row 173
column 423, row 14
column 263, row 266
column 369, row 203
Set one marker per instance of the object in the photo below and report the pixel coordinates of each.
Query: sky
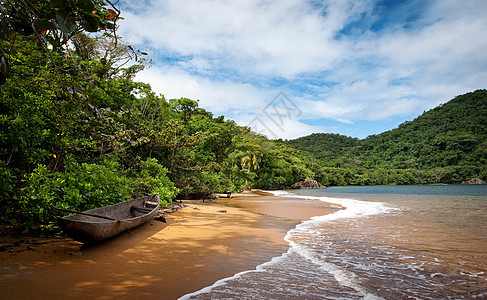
column 289, row 68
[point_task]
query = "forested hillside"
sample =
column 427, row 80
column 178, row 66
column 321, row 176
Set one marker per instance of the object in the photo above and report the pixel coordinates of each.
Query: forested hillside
column 447, row 144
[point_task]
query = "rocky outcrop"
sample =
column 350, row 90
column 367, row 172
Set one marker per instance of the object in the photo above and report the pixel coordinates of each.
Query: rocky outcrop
column 474, row 181
column 310, row 184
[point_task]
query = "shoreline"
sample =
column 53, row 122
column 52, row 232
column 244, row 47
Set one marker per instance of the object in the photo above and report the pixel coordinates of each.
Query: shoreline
column 199, row 245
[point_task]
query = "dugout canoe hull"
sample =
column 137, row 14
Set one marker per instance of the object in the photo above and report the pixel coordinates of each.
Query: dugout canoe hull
column 129, row 214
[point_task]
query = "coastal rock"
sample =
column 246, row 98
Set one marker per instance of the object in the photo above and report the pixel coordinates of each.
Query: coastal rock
column 474, row 181
column 160, row 218
column 310, row 184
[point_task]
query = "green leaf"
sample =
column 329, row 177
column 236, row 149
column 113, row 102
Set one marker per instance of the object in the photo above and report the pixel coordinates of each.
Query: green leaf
column 58, row 3
column 65, row 23
column 86, row 6
column 23, row 28
column 110, row 26
column 44, row 25
column 90, row 23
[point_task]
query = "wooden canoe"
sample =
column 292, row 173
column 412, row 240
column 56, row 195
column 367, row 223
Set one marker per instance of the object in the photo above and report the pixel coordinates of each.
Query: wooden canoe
column 86, row 227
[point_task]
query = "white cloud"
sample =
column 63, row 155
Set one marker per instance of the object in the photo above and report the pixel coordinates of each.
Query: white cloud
column 216, row 96
column 289, row 129
column 281, row 38
column 235, row 56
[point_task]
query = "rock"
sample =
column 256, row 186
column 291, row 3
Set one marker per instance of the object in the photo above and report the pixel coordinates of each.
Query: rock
column 160, row 218
column 222, row 211
column 476, row 181
column 310, row 184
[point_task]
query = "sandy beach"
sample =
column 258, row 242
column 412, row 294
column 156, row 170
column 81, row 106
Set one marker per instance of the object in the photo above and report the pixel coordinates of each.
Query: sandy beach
column 200, row 244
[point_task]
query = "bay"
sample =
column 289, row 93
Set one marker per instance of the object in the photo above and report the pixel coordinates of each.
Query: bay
column 389, row 242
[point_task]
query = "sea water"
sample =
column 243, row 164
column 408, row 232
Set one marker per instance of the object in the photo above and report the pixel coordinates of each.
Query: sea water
column 389, row 242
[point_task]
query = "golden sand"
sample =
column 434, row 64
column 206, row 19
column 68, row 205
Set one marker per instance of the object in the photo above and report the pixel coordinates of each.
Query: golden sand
column 197, row 246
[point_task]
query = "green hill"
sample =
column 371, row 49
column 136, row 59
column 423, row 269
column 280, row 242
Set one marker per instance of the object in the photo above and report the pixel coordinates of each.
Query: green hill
column 446, row 144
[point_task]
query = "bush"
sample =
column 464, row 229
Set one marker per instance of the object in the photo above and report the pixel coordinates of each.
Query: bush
column 152, row 179
column 87, row 186
column 8, row 182
column 82, row 186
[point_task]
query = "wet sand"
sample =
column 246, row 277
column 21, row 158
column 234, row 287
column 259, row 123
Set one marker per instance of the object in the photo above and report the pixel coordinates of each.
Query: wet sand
column 198, row 245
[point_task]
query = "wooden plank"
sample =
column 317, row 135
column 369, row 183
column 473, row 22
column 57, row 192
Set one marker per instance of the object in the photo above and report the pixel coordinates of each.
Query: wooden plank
column 91, row 215
column 144, row 209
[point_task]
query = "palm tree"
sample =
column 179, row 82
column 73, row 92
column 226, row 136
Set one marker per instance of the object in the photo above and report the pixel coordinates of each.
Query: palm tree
column 248, row 162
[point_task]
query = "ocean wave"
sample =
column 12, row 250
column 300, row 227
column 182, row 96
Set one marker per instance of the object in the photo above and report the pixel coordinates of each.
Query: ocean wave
column 351, row 208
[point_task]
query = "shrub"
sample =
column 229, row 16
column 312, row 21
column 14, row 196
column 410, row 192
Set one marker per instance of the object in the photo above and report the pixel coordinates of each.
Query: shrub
column 152, row 179
column 83, row 186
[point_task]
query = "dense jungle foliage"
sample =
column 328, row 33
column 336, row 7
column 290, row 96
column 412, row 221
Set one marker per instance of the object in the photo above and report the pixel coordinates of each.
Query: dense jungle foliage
column 447, row 144
column 77, row 132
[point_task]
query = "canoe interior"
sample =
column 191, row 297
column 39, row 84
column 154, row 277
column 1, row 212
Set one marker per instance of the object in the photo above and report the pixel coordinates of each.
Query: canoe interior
column 87, row 229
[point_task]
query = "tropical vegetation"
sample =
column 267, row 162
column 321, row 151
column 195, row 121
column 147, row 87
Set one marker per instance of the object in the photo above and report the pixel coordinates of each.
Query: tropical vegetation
column 78, row 132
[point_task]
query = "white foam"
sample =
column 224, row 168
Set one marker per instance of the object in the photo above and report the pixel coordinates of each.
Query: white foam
column 342, row 275
column 221, row 282
column 353, row 209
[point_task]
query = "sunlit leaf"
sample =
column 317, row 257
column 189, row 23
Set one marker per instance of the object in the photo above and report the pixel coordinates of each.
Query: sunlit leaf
column 112, row 14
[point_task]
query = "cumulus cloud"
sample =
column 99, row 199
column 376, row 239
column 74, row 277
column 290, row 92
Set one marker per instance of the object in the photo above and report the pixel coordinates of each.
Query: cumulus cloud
column 341, row 60
column 281, row 38
column 219, row 97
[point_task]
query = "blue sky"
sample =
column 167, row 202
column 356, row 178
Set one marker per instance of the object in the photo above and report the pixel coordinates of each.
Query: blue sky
column 354, row 67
